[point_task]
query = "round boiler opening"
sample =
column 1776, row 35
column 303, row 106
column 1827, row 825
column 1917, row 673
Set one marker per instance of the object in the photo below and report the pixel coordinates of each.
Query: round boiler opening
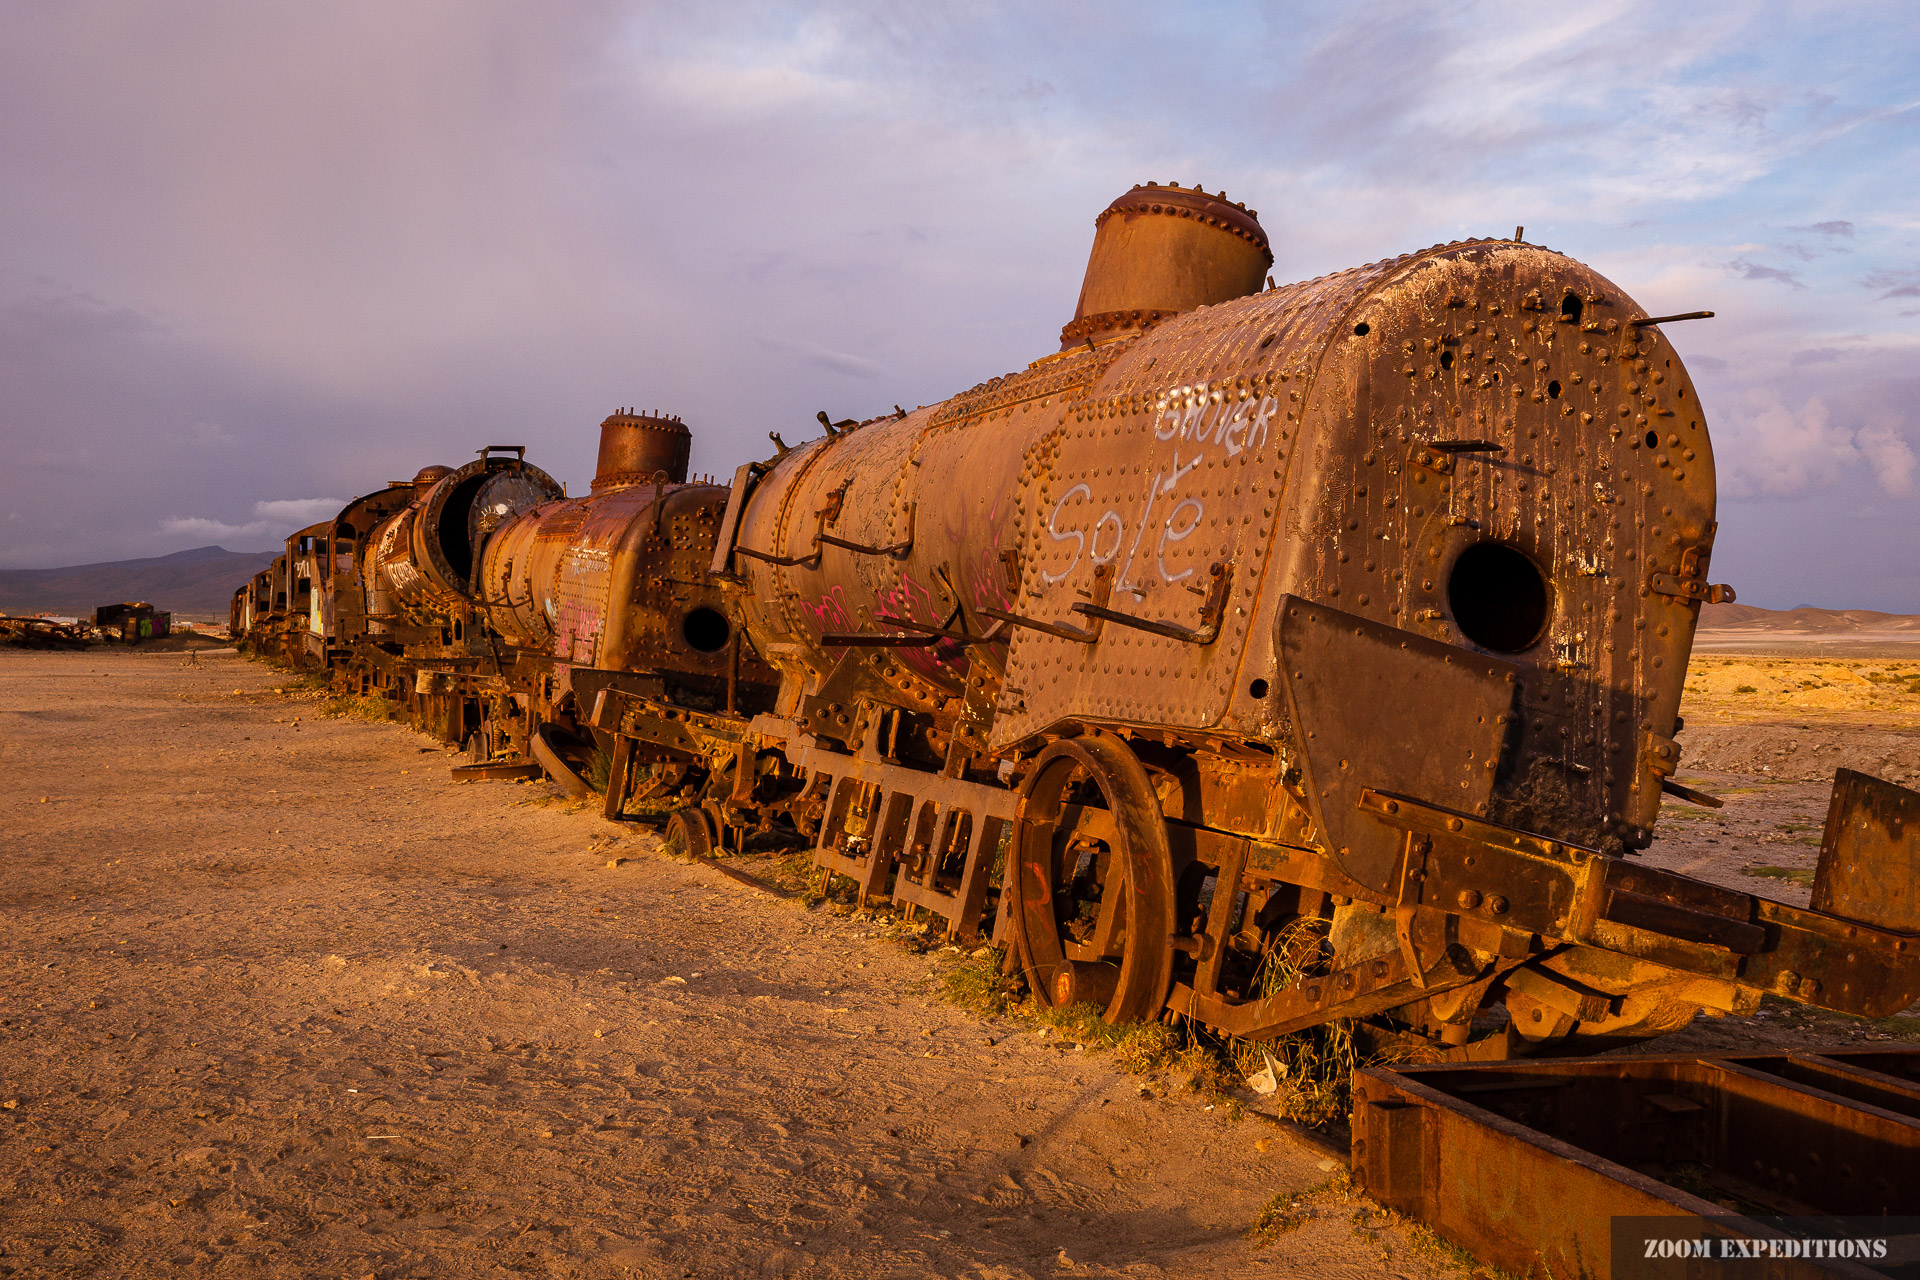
column 706, row 629
column 1498, row 597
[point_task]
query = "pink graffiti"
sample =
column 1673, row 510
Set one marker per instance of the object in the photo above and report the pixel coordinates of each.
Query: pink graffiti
column 915, row 602
column 831, row 614
column 907, row 601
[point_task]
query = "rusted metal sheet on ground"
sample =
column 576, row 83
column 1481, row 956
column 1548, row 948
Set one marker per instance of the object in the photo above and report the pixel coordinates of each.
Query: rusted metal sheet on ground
column 1528, row 1165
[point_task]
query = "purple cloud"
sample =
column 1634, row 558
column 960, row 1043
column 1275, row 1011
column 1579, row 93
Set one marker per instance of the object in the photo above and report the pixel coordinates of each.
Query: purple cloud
column 1758, row 271
column 1838, row 229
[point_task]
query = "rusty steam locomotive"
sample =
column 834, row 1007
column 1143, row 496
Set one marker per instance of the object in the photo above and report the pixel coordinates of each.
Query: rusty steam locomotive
column 1266, row 654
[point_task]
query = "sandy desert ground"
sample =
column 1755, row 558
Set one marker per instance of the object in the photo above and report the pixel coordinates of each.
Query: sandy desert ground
column 1769, row 717
column 279, row 1000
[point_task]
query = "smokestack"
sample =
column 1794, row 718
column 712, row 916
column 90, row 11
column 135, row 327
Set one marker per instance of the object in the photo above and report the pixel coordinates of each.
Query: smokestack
column 634, row 447
column 1158, row 251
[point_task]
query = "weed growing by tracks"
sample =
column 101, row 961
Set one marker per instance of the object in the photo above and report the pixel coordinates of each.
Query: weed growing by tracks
column 1314, row 1067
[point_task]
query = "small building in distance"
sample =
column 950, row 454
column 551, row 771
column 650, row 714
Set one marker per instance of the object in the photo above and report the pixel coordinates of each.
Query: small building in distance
column 133, row 621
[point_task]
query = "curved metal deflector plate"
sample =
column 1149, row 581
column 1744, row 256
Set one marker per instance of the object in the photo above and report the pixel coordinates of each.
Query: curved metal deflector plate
column 1375, row 706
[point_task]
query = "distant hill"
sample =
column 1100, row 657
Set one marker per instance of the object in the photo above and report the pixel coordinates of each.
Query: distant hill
column 1805, row 619
column 196, row 583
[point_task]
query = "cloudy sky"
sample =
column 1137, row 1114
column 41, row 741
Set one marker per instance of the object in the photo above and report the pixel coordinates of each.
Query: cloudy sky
column 255, row 259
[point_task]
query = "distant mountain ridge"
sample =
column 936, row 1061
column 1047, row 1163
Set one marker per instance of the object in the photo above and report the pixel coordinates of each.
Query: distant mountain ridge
column 1805, row 618
column 197, row 583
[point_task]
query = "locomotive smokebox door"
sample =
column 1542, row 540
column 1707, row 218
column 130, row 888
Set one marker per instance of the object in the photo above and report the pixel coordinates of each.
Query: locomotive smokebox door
column 1375, row 706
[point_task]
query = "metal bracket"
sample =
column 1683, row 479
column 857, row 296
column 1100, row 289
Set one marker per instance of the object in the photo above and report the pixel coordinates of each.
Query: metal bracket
column 1691, row 796
column 1412, row 873
column 1102, row 591
column 876, row 640
column 785, row 562
column 1684, row 315
column 1667, row 584
column 822, row 538
column 996, row 634
column 1659, row 755
column 897, row 550
column 1211, row 611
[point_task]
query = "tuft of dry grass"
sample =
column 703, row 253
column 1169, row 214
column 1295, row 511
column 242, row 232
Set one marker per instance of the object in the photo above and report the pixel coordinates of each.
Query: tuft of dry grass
column 975, row 984
column 1793, row 875
column 599, row 771
column 1291, row 1210
column 356, row 706
column 1315, row 1066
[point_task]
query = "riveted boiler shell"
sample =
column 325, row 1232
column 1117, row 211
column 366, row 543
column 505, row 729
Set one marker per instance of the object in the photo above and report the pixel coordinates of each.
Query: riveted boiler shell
column 513, row 560
column 618, row 581
column 422, row 562
column 1278, row 436
column 354, row 529
column 947, row 477
column 396, row 586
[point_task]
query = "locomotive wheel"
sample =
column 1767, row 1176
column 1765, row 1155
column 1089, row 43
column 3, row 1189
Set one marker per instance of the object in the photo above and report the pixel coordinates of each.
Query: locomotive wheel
column 717, row 823
column 1093, row 892
column 690, row 831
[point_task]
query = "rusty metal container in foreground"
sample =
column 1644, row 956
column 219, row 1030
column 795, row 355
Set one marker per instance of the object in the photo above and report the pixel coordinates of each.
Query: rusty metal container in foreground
column 1571, row 1168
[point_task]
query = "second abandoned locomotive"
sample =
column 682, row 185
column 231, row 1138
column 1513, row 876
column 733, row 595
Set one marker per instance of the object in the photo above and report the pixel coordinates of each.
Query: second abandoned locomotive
column 1269, row 655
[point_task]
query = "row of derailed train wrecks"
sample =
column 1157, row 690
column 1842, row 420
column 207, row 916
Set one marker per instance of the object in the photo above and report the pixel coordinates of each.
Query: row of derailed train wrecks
column 1266, row 655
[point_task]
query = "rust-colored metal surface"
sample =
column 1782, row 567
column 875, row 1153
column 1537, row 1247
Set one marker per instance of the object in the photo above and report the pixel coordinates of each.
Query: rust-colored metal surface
column 1530, row 1166
column 1867, row 869
column 637, row 447
column 42, row 633
column 1264, row 656
column 1158, row 251
column 1394, row 710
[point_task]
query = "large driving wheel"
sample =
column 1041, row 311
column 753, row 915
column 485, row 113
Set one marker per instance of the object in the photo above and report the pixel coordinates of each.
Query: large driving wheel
column 1092, row 880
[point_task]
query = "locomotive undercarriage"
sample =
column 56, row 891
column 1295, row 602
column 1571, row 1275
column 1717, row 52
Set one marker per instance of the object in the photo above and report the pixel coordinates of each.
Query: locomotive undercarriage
column 1150, row 876
column 1081, row 860
column 1088, row 859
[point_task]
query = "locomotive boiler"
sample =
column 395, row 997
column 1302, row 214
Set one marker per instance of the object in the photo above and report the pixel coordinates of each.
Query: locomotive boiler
column 1329, row 639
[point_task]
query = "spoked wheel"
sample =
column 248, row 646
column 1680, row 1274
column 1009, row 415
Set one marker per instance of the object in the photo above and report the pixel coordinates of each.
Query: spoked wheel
column 1092, row 880
column 690, row 831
